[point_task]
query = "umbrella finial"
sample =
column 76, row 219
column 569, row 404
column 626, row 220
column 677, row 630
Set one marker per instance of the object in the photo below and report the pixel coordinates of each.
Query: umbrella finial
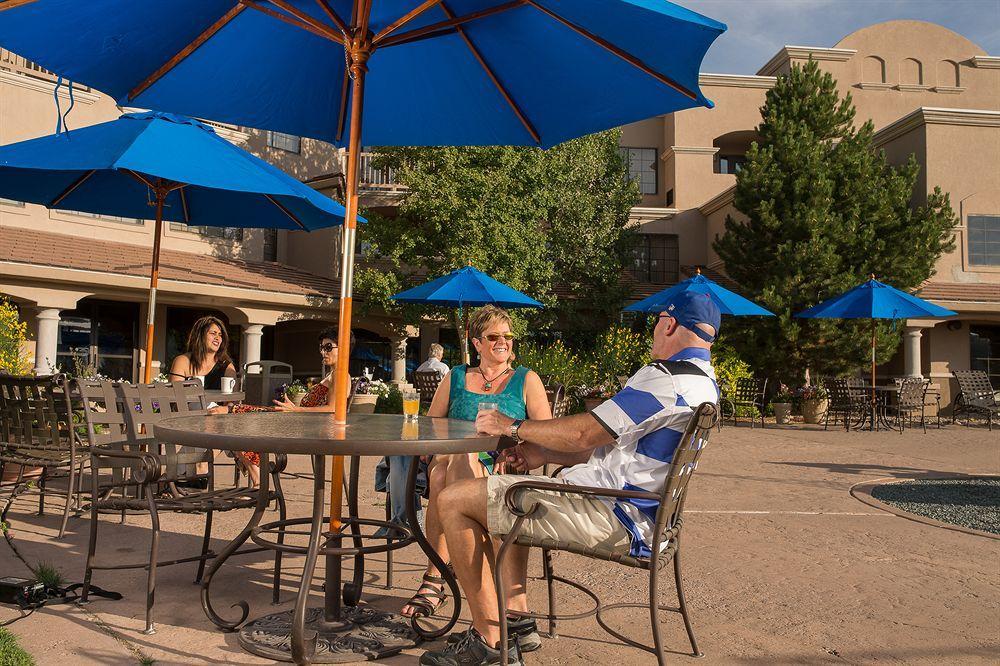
column 698, row 269
column 871, row 276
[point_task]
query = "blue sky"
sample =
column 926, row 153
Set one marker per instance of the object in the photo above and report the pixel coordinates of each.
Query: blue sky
column 758, row 28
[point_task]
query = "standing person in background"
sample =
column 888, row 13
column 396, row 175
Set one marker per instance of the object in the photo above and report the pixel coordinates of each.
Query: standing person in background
column 434, row 362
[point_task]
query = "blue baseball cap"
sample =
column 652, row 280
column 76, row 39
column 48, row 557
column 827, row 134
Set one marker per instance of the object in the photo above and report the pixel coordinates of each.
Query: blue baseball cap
column 690, row 308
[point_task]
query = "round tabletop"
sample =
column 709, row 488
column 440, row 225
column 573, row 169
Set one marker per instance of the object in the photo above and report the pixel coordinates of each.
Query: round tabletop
column 221, row 396
column 317, row 434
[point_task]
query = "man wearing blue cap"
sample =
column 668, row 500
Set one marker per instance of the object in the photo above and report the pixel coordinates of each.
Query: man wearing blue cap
column 627, row 442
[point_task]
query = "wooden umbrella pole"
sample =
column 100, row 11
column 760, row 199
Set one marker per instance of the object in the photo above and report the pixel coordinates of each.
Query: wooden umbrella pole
column 873, row 372
column 360, row 49
column 154, row 279
column 465, row 336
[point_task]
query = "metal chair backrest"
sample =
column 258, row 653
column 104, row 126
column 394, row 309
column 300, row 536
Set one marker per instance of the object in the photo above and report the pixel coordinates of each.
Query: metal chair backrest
column 910, row 392
column 426, row 384
column 975, row 387
column 840, row 393
column 682, row 467
column 858, row 389
column 35, row 412
column 558, row 403
column 749, row 389
column 146, row 405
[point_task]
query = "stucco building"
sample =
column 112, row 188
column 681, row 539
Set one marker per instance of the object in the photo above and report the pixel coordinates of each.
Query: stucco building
column 929, row 91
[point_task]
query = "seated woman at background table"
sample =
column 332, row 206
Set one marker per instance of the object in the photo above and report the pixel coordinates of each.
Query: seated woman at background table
column 517, row 391
column 206, row 355
column 318, row 399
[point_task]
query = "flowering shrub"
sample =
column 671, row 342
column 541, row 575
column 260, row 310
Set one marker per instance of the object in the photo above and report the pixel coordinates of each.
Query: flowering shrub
column 809, row 392
column 555, row 362
column 619, row 351
column 784, row 395
column 13, row 335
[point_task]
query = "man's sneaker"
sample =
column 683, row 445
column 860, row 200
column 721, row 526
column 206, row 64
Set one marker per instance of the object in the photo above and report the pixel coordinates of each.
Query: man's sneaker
column 523, row 628
column 472, row 650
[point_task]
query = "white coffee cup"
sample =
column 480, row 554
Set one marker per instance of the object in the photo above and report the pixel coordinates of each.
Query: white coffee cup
column 228, row 384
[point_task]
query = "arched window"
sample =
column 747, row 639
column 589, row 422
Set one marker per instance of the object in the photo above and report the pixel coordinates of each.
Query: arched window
column 911, row 72
column 873, row 70
column 947, row 74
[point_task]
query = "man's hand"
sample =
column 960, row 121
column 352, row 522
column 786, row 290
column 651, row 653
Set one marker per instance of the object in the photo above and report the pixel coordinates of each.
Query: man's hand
column 493, row 423
column 524, row 457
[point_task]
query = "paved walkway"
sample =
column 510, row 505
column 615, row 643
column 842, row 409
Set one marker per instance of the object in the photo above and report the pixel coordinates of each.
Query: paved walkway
column 782, row 566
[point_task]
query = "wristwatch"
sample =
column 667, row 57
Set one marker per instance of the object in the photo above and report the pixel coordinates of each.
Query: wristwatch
column 514, row 428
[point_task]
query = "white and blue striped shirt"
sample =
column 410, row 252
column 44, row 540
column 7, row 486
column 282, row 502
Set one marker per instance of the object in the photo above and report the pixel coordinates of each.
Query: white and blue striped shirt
column 647, row 419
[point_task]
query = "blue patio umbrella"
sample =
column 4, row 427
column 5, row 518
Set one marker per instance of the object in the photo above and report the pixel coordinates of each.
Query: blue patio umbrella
column 875, row 300
column 178, row 166
column 729, row 302
column 357, row 72
column 466, row 287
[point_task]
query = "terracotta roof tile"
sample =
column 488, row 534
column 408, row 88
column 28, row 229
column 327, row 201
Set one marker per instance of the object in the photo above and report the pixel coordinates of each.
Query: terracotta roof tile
column 961, row 291
column 30, row 246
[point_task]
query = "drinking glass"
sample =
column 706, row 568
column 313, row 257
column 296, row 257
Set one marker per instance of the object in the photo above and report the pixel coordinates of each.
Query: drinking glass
column 411, row 405
column 488, row 406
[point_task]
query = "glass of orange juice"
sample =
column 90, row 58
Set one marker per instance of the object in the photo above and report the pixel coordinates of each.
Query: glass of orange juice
column 411, row 405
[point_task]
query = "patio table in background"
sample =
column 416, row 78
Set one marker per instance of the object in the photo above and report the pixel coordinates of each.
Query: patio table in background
column 331, row 634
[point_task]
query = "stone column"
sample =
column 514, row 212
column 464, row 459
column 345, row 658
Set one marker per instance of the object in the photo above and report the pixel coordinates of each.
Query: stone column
column 47, row 340
column 252, row 334
column 398, row 351
column 911, row 351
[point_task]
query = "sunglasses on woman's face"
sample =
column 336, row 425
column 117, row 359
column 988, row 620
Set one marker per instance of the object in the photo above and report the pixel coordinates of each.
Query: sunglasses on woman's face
column 327, row 348
column 496, row 337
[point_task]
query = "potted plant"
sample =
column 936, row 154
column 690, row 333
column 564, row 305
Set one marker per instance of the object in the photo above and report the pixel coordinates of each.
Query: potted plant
column 815, row 402
column 367, row 396
column 782, row 405
column 295, row 392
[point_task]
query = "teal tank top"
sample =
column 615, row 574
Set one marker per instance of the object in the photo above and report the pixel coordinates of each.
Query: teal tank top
column 464, row 404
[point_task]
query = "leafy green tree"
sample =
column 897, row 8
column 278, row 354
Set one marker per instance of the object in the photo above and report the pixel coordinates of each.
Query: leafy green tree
column 533, row 219
column 823, row 211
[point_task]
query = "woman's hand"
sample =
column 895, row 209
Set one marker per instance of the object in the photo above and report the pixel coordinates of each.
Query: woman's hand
column 218, row 409
column 285, row 405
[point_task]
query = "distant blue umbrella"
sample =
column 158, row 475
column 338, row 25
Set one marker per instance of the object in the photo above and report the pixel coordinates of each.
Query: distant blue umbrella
column 176, row 165
column 466, row 287
column 875, row 300
column 729, row 303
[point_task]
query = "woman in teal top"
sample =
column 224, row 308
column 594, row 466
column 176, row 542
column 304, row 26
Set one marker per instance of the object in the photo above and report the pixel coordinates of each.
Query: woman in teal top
column 517, row 391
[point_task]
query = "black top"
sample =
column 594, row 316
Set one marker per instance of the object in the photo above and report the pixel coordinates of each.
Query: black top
column 213, row 380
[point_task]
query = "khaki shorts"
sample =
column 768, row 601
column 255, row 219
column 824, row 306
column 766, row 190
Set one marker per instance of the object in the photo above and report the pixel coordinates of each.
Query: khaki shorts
column 586, row 521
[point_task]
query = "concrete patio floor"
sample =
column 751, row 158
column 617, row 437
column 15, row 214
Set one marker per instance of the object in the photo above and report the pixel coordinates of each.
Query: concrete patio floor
column 781, row 563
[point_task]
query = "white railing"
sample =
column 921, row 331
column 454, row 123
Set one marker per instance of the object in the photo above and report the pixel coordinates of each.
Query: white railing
column 373, row 179
column 12, row 62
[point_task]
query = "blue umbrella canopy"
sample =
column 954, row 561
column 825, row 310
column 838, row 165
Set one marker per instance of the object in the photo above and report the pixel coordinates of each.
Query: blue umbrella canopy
column 729, row 303
column 466, row 72
column 875, row 300
column 178, row 166
column 466, row 286
column 115, row 168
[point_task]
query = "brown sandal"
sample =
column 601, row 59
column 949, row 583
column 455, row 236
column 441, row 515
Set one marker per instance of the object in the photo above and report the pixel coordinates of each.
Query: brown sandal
column 425, row 604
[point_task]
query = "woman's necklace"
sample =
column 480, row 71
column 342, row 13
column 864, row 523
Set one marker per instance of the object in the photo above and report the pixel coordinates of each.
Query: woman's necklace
column 487, row 382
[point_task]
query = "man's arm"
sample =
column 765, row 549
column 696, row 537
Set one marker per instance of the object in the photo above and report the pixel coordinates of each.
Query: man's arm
column 577, row 434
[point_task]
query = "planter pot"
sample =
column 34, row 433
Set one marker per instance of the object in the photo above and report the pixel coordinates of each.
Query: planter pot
column 296, row 398
column 814, row 411
column 364, row 404
column 782, row 412
column 590, row 403
column 10, row 473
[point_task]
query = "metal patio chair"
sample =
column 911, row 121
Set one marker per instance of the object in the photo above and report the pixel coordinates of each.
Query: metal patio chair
column 665, row 540
column 426, row 384
column 144, row 472
column 843, row 402
column 36, row 430
column 976, row 396
column 748, row 392
column 911, row 395
column 558, row 400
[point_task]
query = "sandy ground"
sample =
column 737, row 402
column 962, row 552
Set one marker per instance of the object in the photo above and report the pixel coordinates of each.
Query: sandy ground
column 782, row 565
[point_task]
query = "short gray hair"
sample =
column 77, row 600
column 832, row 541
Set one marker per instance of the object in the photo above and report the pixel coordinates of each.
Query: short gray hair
column 436, row 350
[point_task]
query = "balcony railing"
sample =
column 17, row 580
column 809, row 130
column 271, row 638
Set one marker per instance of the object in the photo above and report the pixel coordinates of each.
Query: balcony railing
column 14, row 63
column 377, row 180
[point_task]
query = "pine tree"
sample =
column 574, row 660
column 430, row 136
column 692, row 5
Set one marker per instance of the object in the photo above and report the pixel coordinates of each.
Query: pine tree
column 823, row 211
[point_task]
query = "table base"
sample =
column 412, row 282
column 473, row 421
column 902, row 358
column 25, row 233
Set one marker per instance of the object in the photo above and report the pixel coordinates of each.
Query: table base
column 370, row 634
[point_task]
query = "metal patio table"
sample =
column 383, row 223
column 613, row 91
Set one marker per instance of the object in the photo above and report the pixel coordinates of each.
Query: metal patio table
column 335, row 633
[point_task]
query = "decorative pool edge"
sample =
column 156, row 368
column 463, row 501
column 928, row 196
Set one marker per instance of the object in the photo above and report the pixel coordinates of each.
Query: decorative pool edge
column 863, row 493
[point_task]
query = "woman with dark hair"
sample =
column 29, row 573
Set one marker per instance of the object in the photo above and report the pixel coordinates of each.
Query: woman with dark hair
column 318, row 399
column 206, row 355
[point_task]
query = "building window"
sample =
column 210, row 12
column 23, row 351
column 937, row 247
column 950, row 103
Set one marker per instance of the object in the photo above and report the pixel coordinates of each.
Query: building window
column 108, row 218
column 729, row 163
column 984, row 240
column 984, row 349
column 234, row 234
column 282, row 141
column 656, row 259
column 270, row 244
column 11, row 202
column 641, row 163
column 102, row 335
